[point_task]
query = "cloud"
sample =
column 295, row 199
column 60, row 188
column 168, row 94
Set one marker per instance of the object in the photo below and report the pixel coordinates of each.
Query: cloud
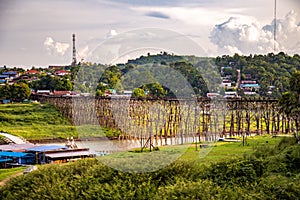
column 237, row 36
column 157, row 15
column 111, row 33
column 53, row 47
column 83, row 53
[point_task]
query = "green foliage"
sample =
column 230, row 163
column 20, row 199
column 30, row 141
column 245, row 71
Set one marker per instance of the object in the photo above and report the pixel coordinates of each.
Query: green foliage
column 52, row 83
column 6, row 173
column 289, row 102
column 267, row 70
column 34, row 121
column 249, row 178
column 138, row 92
column 295, row 82
column 16, row 92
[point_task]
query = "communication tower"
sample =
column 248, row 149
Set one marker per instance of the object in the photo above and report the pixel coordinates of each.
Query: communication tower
column 275, row 21
column 74, row 61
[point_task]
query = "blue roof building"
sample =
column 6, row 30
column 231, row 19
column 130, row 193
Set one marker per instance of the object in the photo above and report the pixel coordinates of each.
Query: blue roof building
column 44, row 148
column 250, row 85
column 40, row 151
column 15, row 158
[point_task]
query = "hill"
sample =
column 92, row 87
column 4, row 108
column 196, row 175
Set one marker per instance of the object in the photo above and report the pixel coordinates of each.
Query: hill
column 34, row 121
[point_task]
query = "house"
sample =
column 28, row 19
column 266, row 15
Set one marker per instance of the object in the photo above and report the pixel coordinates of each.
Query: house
column 11, row 74
column 230, row 94
column 58, row 154
column 54, row 67
column 3, row 78
column 67, row 155
column 16, row 147
column 127, row 92
column 212, row 95
column 61, row 93
column 250, row 89
column 39, row 151
column 226, row 83
column 46, row 92
column 61, row 72
column 32, row 72
column 248, row 82
column 8, row 158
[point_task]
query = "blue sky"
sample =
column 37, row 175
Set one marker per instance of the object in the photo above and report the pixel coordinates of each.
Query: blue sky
column 38, row 33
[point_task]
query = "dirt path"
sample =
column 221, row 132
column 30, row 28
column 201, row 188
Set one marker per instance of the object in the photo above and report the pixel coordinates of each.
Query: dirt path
column 4, row 181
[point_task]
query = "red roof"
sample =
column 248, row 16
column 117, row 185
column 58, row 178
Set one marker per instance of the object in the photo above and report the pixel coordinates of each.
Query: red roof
column 32, row 71
column 61, row 93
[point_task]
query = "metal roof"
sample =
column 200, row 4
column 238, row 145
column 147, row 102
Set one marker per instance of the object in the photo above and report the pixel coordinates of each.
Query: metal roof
column 5, row 160
column 12, row 154
column 250, row 85
column 44, row 148
column 16, row 147
column 69, row 154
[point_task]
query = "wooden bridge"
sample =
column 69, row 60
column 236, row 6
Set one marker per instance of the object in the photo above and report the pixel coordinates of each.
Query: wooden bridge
column 165, row 118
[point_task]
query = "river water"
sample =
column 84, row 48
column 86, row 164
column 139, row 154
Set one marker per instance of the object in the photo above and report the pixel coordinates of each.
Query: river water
column 110, row 146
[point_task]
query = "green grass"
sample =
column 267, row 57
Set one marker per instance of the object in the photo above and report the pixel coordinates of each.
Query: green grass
column 5, row 173
column 34, row 121
column 227, row 150
column 42, row 121
column 134, row 160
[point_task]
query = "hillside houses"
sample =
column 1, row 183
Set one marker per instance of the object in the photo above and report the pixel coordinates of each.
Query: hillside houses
column 249, row 87
column 8, row 77
column 234, row 88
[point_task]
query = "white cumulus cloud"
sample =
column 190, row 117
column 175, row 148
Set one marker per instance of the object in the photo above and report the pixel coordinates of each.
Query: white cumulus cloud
column 54, row 47
column 237, row 36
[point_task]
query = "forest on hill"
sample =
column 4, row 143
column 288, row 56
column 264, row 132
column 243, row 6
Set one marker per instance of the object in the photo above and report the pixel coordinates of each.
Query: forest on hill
column 268, row 70
column 203, row 74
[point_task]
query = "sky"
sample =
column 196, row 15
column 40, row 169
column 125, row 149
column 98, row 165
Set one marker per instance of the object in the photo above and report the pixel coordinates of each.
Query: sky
column 39, row 33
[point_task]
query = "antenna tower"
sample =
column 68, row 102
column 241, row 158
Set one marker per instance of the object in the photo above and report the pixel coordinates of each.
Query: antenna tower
column 275, row 19
column 74, row 61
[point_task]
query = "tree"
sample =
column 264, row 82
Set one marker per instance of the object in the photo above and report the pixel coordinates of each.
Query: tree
column 155, row 90
column 20, row 91
column 138, row 92
column 295, row 83
column 289, row 102
column 15, row 92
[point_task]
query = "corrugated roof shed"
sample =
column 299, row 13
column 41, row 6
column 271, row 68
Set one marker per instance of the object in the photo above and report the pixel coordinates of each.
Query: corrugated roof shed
column 5, row 160
column 69, row 154
column 16, row 147
column 44, row 148
column 12, row 154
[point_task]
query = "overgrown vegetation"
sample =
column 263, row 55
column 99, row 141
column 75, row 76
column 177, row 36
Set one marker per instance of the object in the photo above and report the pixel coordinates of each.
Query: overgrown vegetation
column 271, row 172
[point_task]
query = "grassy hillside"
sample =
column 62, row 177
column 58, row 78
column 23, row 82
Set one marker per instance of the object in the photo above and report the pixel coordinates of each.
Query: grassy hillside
column 42, row 121
column 270, row 172
column 34, row 121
